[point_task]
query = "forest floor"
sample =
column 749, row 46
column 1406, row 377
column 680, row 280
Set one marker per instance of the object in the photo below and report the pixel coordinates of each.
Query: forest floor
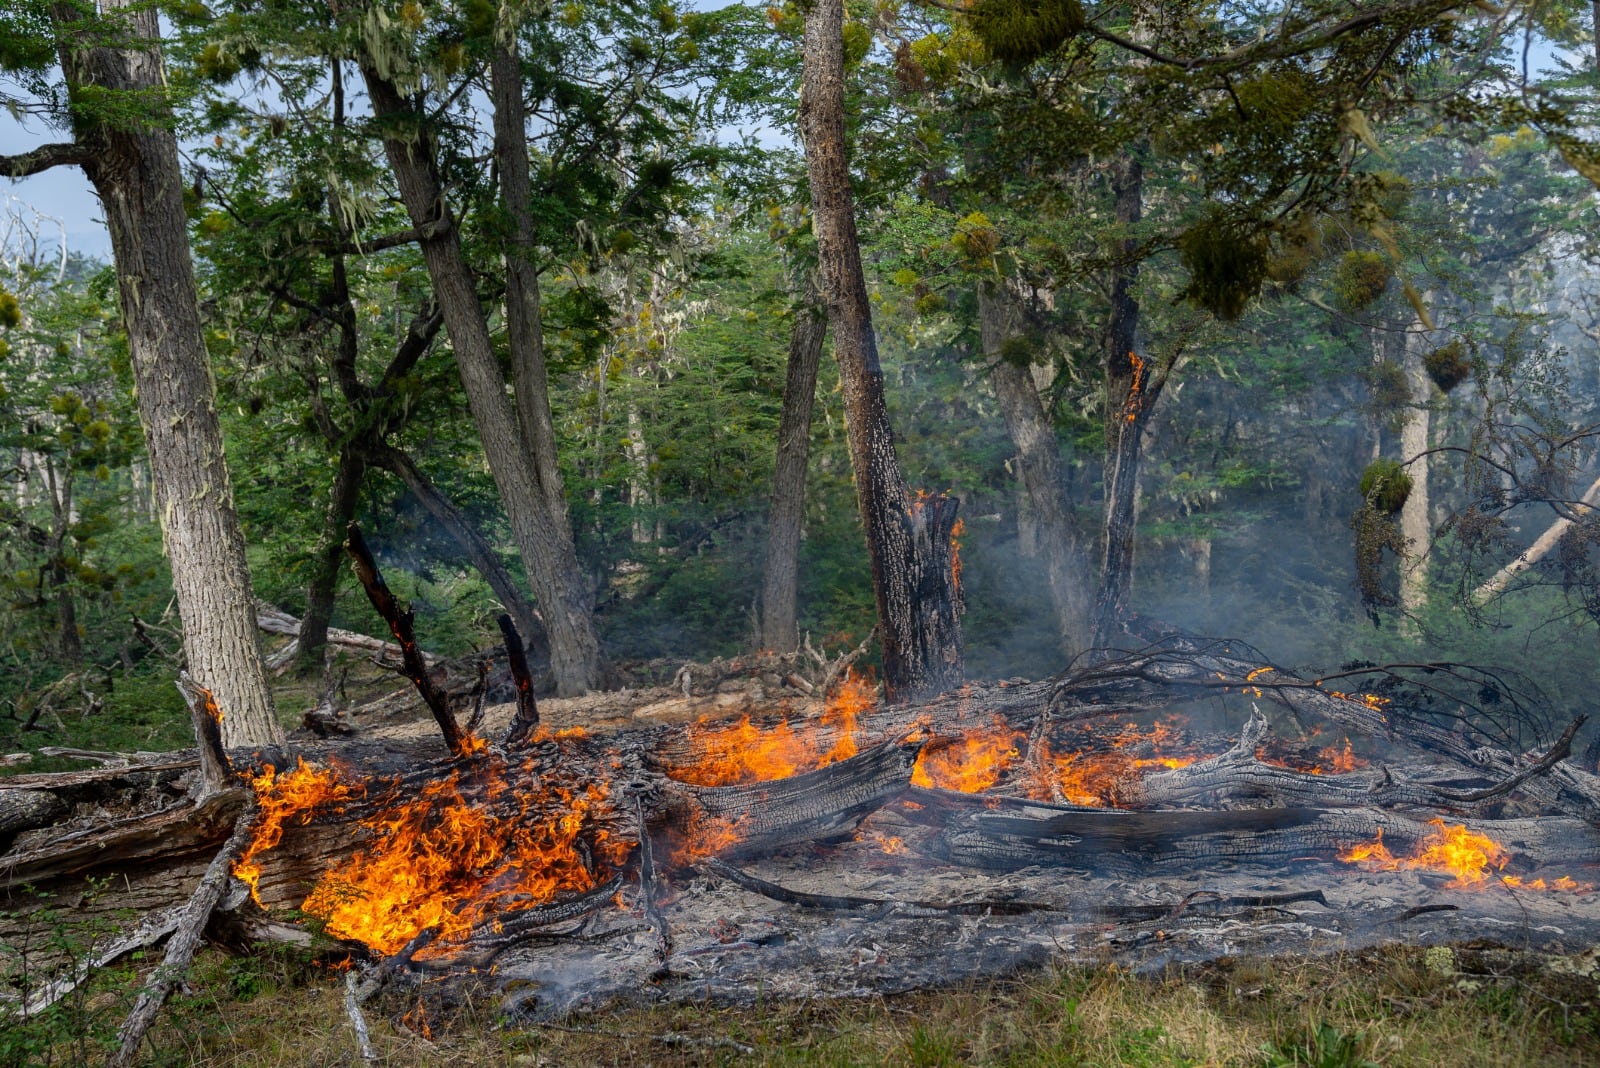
column 1391, row 1005
column 1396, row 1006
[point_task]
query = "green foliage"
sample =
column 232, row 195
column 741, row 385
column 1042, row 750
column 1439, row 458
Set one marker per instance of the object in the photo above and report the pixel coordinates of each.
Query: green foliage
column 1227, row 261
column 1324, row 1047
column 1360, row 278
column 1021, row 31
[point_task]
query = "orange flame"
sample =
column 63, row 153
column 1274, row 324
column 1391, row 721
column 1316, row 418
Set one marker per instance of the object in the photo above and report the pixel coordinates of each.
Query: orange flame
column 1100, row 777
column 1457, row 851
column 972, row 763
column 743, row 752
column 1135, row 399
column 447, row 861
column 297, row 794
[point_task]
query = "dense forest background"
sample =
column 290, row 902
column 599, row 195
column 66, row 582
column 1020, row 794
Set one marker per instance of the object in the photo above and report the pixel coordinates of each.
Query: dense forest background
column 1362, row 264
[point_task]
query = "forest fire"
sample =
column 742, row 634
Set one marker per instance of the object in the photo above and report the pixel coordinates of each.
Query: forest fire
column 1098, row 775
column 970, row 763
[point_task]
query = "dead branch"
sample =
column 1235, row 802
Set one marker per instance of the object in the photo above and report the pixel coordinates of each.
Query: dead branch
column 185, row 940
column 527, row 717
column 206, row 718
column 400, row 625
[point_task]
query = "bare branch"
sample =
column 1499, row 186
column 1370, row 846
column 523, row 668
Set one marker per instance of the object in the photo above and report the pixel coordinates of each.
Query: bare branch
column 43, row 158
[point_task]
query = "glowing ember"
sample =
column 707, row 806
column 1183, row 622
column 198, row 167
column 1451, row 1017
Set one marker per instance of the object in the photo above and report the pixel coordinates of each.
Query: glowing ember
column 1330, row 759
column 972, row 763
column 1565, row 882
column 743, row 752
column 1457, row 851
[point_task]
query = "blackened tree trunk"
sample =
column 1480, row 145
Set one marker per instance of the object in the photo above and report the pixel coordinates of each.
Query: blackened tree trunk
column 132, row 160
column 1131, row 392
column 1039, row 460
column 780, row 582
column 913, row 575
column 412, row 151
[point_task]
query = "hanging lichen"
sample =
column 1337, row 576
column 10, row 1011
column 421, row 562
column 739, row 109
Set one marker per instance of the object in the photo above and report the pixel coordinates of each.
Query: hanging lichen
column 1385, row 485
column 1021, row 31
column 1226, row 261
column 1360, row 279
column 1374, row 532
column 1448, row 365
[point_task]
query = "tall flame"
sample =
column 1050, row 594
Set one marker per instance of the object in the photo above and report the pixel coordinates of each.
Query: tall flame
column 295, row 795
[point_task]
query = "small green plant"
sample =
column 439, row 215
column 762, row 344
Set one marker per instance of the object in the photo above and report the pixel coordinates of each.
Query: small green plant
column 1386, row 484
column 1326, row 1047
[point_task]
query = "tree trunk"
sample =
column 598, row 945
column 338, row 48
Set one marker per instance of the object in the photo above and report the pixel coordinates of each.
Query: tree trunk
column 134, row 169
column 1130, row 394
column 328, row 560
column 564, row 597
column 529, row 374
column 1416, row 528
column 914, row 582
column 477, row 550
column 1038, row 456
column 780, row 582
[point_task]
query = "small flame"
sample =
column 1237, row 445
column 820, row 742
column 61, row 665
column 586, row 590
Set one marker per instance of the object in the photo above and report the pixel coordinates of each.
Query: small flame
column 1457, row 851
column 972, row 763
column 743, row 752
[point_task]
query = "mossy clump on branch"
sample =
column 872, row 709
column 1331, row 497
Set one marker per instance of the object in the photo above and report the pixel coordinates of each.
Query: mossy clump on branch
column 1386, row 484
column 1448, row 365
column 1021, row 31
column 1226, row 261
column 1360, row 279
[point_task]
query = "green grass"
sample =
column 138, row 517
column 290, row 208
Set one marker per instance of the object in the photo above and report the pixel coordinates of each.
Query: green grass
column 1395, row 1007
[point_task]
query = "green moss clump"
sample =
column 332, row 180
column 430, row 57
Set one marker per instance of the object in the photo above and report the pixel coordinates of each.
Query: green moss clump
column 1360, row 279
column 1226, row 261
column 1448, row 365
column 1386, row 484
column 1021, row 31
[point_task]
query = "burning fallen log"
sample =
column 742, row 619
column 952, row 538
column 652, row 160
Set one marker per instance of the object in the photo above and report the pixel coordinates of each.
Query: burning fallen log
column 445, row 861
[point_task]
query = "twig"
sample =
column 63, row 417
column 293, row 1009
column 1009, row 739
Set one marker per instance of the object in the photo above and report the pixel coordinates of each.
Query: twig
column 1558, row 752
column 358, row 1021
column 399, row 622
column 185, row 940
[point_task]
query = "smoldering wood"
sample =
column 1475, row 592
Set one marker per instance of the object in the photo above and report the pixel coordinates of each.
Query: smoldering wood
column 527, row 717
column 1306, row 813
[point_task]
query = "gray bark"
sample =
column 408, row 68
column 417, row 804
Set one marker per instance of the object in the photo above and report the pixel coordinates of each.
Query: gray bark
column 780, row 582
column 134, row 169
column 1056, row 533
column 567, row 604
